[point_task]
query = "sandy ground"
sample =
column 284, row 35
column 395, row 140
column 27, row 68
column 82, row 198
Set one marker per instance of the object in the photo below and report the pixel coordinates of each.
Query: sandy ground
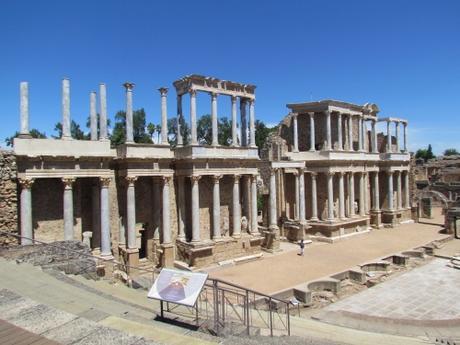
column 274, row 273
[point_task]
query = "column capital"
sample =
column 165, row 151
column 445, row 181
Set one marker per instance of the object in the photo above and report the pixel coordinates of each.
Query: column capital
column 166, row 179
column 314, row 175
column 311, row 114
column 195, row 178
column 254, row 178
column 105, row 181
column 214, row 95
column 389, row 172
column 129, row 86
column 131, row 180
column 68, row 182
column 295, row 173
column 26, row 183
column 341, row 173
column 251, row 101
column 330, row 173
column 273, row 171
column 233, row 98
column 192, row 92
column 216, row 178
column 294, row 115
column 163, row 91
column 236, row 178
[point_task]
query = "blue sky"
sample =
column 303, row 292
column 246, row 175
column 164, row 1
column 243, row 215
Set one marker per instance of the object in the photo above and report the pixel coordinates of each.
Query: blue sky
column 402, row 55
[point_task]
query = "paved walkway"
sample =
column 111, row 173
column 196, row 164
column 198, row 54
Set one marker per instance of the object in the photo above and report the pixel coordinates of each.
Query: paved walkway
column 275, row 273
column 11, row 334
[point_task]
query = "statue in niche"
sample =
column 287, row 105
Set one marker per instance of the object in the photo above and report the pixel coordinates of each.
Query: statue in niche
column 244, row 224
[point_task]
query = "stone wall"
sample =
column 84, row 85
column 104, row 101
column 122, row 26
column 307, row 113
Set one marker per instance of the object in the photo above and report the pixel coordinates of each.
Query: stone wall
column 8, row 196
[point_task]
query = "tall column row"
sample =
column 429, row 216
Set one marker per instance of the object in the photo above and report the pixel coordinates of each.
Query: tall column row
column 397, row 123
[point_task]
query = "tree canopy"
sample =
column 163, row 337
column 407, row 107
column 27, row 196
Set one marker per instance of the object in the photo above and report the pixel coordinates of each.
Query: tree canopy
column 262, row 133
column 34, row 133
column 450, row 152
column 140, row 134
column 425, row 154
column 75, row 131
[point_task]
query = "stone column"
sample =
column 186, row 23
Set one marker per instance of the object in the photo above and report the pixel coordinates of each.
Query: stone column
column 156, row 207
column 351, row 191
column 215, row 140
column 24, row 109
column 131, row 211
column 362, row 202
column 405, row 136
column 374, row 138
column 165, row 217
column 330, row 196
column 93, row 115
column 312, row 131
column 234, row 123
column 164, row 116
column 297, row 195
column 254, row 223
column 341, row 196
column 314, row 199
column 376, row 192
column 397, row 137
column 26, row 211
column 295, row 133
column 244, row 124
column 236, row 209
column 106, row 249
column 252, row 124
column 66, row 134
column 216, row 234
column 301, row 197
column 180, row 140
column 360, row 134
column 103, row 135
column 195, row 208
column 68, row 209
column 365, row 142
column 129, row 116
column 399, row 190
column 367, row 199
column 273, row 218
column 181, row 208
column 339, row 130
column 407, row 189
column 350, row 133
column 388, row 137
column 193, row 117
column 390, row 190
column 328, row 131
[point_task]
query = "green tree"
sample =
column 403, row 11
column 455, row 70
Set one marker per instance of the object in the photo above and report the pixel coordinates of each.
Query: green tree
column 34, row 133
column 225, row 131
column 204, row 130
column 139, row 128
column 172, row 131
column 451, row 152
column 262, row 133
column 425, row 154
column 151, row 128
column 88, row 125
column 75, row 131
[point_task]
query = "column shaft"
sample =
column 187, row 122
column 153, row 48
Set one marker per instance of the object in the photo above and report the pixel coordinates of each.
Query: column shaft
column 376, row 192
column 68, row 209
column 407, row 189
column 397, row 137
column 351, row 191
column 105, row 217
column 26, row 211
column 388, row 137
column 254, row 223
column 215, row 141
column 390, row 191
column 252, row 124
column 330, row 196
column 66, row 134
column 193, row 117
column 195, row 209
column 339, row 130
column 301, row 196
column 312, row 131
column 180, row 140
column 295, row 133
column 244, row 124
column 297, row 196
column 131, row 212
column 234, row 123
column 216, row 233
column 273, row 219
column 405, row 136
column 362, row 197
column 129, row 114
column 314, row 200
column 164, row 116
column 341, row 197
column 181, row 208
column 374, row 138
column 350, row 133
column 103, row 135
column 236, row 210
column 93, row 115
column 360, row 134
column 399, row 191
column 24, row 107
column 328, row 131
column 165, row 219
column 157, row 208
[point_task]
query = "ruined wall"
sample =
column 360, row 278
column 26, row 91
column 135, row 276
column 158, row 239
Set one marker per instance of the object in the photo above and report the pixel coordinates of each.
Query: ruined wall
column 8, row 196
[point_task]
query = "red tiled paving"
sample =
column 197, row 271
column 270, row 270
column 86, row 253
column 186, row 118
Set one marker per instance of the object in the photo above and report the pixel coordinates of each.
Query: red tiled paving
column 11, row 334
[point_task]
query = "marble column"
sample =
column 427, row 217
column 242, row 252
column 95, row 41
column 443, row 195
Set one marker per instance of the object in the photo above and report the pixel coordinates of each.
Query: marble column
column 365, row 142
column 254, row 222
column 273, row 218
column 26, row 211
column 24, row 108
column 236, row 207
column 312, row 131
column 351, row 192
column 374, row 138
column 165, row 216
column 376, row 192
column 301, row 178
column 407, row 189
column 156, row 207
column 390, row 190
column 195, row 208
column 350, row 133
column 341, row 196
column 296, row 194
column 193, row 117
column 215, row 140
column 314, row 197
column 180, row 140
column 103, row 135
column 397, row 137
column 234, row 123
column 244, row 123
column 388, row 136
column 252, row 124
column 295, row 133
column 330, row 196
column 405, row 136
column 129, row 116
column 328, row 131
column 106, row 249
column 68, row 209
column 339, row 130
column 362, row 201
column 216, row 234
column 367, row 199
column 164, row 116
column 66, row 134
column 399, row 190
column 131, row 211
column 360, row 134
column 181, row 208
column 93, row 115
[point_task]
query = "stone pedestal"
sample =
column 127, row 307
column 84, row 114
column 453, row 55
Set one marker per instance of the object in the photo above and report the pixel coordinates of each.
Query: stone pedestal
column 132, row 259
column 167, row 259
column 376, row 219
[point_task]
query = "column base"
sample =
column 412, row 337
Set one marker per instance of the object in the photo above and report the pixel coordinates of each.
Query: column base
column 132, row 260
column 167, row 258
column 24, row 136
column 376, row 219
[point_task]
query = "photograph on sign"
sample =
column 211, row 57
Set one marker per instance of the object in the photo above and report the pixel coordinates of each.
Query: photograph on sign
column 176, row 286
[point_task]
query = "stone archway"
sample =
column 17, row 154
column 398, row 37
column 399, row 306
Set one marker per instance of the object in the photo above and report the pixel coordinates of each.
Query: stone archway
column 425, row 207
